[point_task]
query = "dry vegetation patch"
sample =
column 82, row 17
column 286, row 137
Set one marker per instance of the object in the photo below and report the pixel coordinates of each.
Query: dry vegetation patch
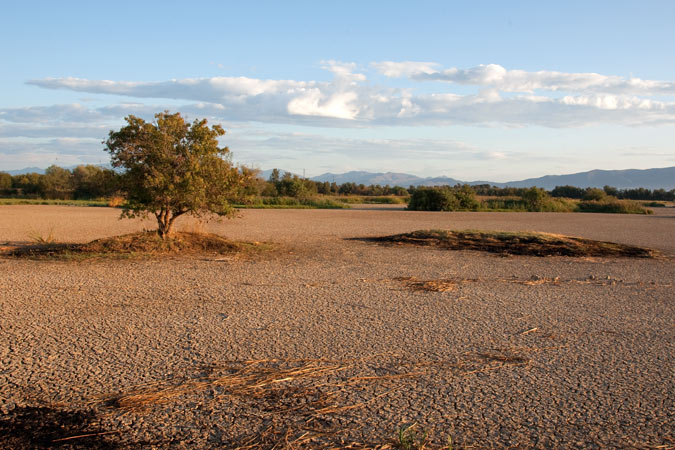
column 146, row 243
column 445, row 285
column 309, row 403
column 521, row 243
column 448, row 284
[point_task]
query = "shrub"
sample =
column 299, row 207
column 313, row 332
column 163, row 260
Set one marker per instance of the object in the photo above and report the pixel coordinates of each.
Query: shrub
column 538, row 200
column 443, row 199
column 613, row 206
column 654, row 204
column 512, row 204
column 594, row 194
column 467, row 198
column 433, row 199
column 290, row 202
column 535, row 199
column 567, row 191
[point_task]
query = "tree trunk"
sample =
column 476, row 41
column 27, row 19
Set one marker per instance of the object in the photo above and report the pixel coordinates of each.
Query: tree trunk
column 164, row 223
column 165, row 220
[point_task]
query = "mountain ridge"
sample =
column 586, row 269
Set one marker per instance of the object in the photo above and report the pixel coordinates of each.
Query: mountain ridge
column 655, row 178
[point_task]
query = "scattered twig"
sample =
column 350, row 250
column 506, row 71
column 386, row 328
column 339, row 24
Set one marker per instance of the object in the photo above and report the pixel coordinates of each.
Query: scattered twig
column 81, row 436
column 531, row 330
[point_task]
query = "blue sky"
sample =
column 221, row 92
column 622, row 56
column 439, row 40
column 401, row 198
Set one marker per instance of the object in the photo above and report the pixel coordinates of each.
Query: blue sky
column 473, row 90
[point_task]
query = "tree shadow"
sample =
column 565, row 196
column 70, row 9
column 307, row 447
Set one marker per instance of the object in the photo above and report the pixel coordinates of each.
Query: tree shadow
column 39, row 427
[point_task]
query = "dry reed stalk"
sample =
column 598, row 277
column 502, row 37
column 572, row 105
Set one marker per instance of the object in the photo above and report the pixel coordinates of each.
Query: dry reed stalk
column 296, row 398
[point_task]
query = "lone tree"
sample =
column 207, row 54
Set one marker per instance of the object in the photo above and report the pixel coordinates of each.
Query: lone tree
column 171, row 168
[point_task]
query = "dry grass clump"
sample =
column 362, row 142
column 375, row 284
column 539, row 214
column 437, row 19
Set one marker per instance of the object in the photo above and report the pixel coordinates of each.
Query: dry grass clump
column 521, row 243
column 147, row 243
column 304, row 403
column 444, row 285
column 42, row 238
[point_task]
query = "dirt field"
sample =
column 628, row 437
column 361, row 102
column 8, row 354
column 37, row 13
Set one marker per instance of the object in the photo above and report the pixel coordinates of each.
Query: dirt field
column 333, row 340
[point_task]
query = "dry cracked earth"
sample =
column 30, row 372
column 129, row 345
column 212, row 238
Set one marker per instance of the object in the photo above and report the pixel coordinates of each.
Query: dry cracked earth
column 328, row 341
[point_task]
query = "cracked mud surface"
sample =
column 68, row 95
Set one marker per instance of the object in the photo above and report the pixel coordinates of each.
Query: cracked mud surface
column 327, row 340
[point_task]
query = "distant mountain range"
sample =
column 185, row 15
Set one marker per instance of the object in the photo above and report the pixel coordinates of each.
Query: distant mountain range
column 660, row 178
column 24, row 170
column 41, row 170
column 622, row 179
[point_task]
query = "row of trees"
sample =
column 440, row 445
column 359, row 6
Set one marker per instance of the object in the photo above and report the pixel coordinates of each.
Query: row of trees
column 290, row 185
column 629, row 194
column 83, row 182
column 90, row 182
column 463, row 198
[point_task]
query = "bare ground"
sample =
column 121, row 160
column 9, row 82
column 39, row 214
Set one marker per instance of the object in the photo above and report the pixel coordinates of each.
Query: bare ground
column 338, row 340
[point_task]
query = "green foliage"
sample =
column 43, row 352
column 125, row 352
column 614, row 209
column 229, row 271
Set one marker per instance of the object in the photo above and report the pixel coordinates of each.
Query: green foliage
column 56, row 183
column 443, row 199
column 611, row 191
column 414, row 438
column 538, row 200
column 173, row 168
column 467, row 198
column 377, row 200
column 654, row 204
column 38, row 201
column 5, row 181
column 503, row 204
column 535, row 199
column 516, row 204
column 594, row 194
column 93, row 182
column 291, row 202
column 433, row 199
column 612, row 205
column 567, row 192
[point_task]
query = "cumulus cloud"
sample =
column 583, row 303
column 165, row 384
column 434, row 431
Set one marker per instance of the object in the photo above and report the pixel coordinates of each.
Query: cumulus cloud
column 522, row 81
column 343, row 71
column 397, row 69
column 506, row 97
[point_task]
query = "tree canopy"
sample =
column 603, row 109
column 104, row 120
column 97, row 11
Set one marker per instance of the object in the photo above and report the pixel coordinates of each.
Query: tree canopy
column 171, row 167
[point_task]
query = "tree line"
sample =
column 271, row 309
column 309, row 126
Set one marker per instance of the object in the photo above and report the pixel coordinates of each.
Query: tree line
column 84, row 182
column 87, row 182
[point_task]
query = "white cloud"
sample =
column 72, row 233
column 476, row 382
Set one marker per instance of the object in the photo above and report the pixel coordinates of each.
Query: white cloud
column 349, row 100
column 198, row 89
column 522, row 81
column 343, row 70
column 340, row 105
column 394, row 69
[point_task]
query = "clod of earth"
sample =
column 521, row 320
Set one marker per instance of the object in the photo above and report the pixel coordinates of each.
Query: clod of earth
column 509, row 243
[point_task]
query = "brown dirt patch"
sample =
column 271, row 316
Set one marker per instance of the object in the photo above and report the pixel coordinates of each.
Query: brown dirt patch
column 510, row 243
column 146, row 243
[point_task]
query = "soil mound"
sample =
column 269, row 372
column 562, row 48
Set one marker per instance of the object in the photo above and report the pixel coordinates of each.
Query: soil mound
column 535, row 244
column 147, row 243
